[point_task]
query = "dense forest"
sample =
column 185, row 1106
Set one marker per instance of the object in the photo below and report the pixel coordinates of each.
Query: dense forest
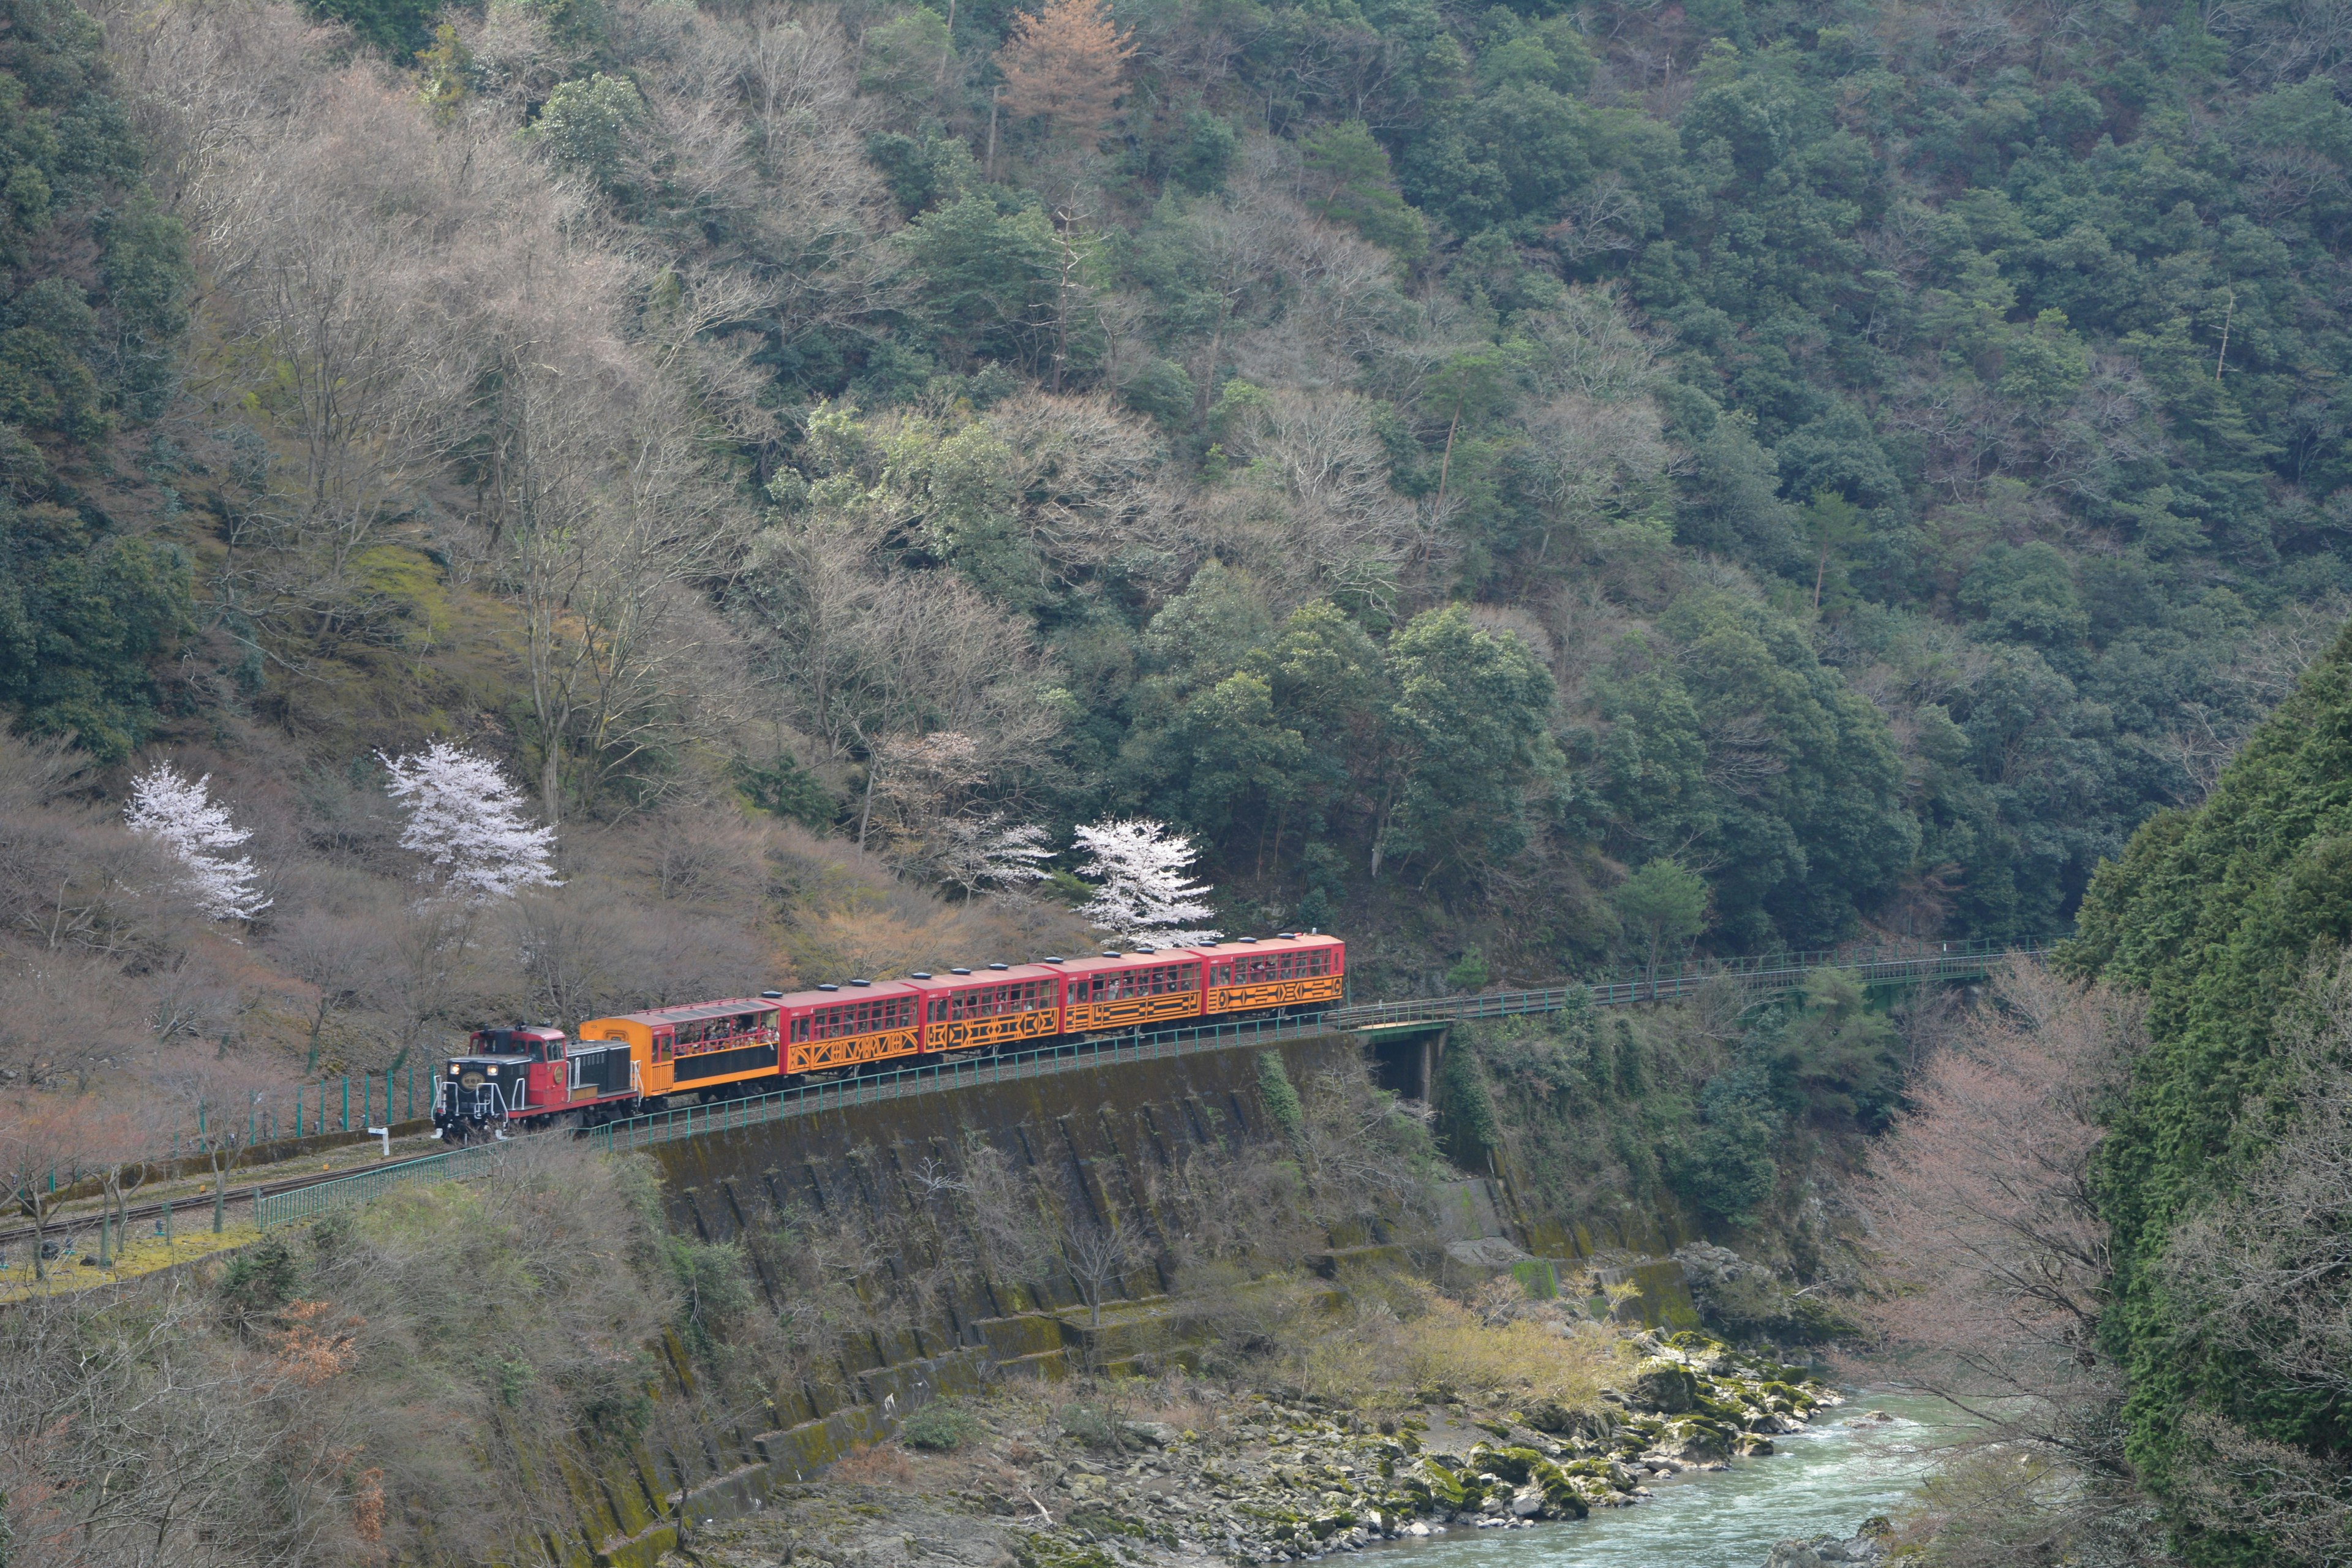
column 1552, row 483
column 1532, row 489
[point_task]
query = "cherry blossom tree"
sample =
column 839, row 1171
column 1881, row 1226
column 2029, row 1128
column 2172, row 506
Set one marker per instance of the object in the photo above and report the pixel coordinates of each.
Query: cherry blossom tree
column 469, row 824
column 978, row 854
column 1144, row 895
column 179, row 812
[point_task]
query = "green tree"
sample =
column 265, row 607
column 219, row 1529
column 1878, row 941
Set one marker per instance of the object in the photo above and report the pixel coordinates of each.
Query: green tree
column 989, row 278
column 1662, row 905
column 586, row 125
column 1350, row 183
column 2216, row 915
column 1468, row 753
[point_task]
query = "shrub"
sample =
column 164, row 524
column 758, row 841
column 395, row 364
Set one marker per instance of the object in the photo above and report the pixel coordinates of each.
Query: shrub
column 942, row 1426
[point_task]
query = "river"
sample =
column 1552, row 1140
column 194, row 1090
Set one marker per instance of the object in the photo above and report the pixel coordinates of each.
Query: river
column 1823, row 1481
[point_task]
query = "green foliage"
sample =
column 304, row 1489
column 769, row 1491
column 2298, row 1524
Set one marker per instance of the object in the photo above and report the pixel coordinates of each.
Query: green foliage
column 82, row 614
column 1469, row 972
column 2217, row 913
column 782, row 787
column 95, row 304
column 514, row 1380
column 1279, row 1096
column 398, row 27
column 586, row 124
column 1662, row 905
column 714, row 1287
column 1466, row 1127
column 1205, row 157
column 1832, row 1058
column 990, row 278
column 1726, row 1167
column 942, row 1426
column 1351, row 171
column 262, row 1278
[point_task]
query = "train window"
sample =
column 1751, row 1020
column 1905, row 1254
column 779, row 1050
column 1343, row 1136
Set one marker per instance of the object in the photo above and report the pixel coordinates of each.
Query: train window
column 992, row 1002
column 865, row 1017
column 801, row 1028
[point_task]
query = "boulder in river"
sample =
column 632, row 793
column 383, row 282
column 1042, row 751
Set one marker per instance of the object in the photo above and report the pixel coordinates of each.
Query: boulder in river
column 1869, row 1545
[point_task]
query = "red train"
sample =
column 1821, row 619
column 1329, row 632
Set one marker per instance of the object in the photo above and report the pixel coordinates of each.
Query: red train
column 637, row 1062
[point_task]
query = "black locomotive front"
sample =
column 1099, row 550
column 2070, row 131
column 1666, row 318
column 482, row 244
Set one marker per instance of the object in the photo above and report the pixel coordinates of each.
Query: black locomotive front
column 476, row 1094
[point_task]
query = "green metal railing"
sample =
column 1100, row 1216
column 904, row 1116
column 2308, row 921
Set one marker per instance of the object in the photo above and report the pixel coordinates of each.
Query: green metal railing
column 801, row 1100
column 943, row 1074
column 1879, row 964
column 303, row 1202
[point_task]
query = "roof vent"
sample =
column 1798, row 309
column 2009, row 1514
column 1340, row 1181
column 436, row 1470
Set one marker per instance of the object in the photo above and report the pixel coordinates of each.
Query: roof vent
column 828, row 988
column 1287, row 935
column 999, row 966
column 1253, row 940
column 861, row 983
column 1147, row 950
column 920, row 975
column 771, row 996
column 958, row 972
column 1058, row 958
column 1110, row 952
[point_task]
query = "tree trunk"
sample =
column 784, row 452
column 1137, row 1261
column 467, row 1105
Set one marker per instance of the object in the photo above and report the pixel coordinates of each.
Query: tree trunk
column 549, row 778
column 220, row 1194
column 1445, row 464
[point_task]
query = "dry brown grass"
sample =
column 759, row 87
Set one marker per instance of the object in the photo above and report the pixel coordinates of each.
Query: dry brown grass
column 1392, row 1352
column 873, row 1465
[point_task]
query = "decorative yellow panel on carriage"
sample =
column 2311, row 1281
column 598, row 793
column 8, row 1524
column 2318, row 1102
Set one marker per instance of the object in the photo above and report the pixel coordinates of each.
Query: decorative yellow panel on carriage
column 1253, row 982
column 992, row 1013
column 844, row 1033
column 848, row 1051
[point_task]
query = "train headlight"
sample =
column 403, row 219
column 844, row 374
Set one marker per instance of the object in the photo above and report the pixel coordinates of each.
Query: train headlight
column 494, row 1071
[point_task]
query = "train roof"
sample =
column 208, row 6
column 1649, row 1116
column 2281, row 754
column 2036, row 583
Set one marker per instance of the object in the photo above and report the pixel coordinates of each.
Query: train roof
column 1095, row 962
column 849, row 991
column 1286, row 941
column 1011, row 975
column 693, row 1012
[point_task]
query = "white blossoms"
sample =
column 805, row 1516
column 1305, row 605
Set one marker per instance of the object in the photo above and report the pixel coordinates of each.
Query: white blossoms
column 470, row 824
column 178, row 812
column 977, row 855
column 1144, row 895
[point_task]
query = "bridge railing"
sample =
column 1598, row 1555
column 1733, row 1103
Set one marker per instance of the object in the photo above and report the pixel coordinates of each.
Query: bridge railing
column 1876, row 964
column 941, row 1075
column 801, row 1100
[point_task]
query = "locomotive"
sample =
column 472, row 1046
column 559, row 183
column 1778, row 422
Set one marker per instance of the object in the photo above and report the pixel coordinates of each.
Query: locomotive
column 641, row 1062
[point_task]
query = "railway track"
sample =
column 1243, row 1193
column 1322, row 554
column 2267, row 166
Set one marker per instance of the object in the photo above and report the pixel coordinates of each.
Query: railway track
column 853, row 1088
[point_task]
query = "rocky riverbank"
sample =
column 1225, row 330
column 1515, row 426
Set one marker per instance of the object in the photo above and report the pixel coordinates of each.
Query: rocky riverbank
column 1249, row 1478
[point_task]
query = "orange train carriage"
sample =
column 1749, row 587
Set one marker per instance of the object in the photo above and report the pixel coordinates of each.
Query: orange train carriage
column 621, row 1066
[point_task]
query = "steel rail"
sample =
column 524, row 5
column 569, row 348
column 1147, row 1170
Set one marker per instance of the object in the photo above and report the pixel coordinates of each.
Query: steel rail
column 1882, row 963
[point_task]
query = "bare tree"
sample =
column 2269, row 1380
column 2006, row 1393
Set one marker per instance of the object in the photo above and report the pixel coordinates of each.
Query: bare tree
column 216, row 1099
column 45, row 1140
column 1996, row 1259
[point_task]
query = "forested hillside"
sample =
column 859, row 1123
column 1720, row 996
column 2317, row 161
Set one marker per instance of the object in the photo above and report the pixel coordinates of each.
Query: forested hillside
column 2224, row 1174
column 1533, row 487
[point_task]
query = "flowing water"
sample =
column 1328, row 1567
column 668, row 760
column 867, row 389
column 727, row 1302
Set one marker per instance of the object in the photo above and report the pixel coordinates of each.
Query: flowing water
column 1823, row 1481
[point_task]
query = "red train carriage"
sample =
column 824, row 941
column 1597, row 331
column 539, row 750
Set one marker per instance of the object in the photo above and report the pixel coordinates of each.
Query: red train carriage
column 638, row 1060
